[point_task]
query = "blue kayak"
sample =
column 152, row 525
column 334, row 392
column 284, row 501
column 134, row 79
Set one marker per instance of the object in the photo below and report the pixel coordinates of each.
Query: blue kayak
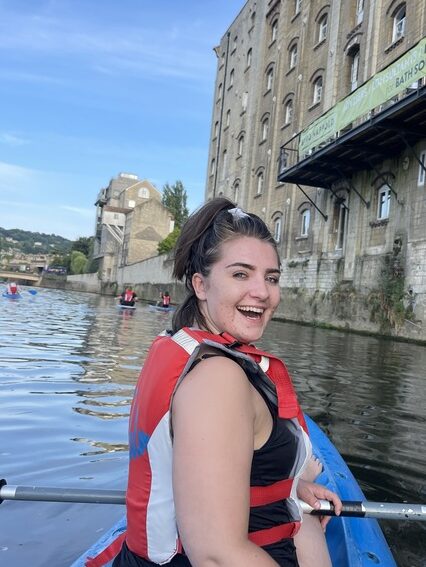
column 12, row 295
column 161, row 308
column 353, row 542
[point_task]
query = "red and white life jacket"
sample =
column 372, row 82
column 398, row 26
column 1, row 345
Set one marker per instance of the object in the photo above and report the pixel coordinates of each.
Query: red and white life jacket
column 128, row 295
column 151, row 521
column 166, row 300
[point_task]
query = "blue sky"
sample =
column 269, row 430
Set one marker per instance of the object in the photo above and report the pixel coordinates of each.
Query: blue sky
column 90, row 88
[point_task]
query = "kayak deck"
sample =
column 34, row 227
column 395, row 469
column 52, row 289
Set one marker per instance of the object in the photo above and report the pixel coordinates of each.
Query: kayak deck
column 352, row 542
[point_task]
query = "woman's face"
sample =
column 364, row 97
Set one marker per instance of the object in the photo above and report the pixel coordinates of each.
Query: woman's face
column 242, row 291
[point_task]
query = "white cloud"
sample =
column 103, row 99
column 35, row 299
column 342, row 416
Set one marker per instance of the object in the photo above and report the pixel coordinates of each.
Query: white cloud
column 83, row 212
column 12, row 139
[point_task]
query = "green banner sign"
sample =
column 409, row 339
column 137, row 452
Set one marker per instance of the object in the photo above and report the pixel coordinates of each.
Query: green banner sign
column 382, row 87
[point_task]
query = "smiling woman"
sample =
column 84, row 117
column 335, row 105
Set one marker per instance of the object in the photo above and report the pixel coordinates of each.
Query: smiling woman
column 218, row 443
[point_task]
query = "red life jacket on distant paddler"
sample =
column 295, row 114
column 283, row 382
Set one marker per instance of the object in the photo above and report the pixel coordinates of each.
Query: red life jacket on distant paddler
column 166, row 300
column 128, row 295
column 151, row 521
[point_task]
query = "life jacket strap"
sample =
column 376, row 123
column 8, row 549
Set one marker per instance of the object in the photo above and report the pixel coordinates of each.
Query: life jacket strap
column 275, row 534
column 108, row 553
column 263, row 495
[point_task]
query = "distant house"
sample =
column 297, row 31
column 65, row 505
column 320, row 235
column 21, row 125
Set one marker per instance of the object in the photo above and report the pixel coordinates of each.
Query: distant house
column 130, row 222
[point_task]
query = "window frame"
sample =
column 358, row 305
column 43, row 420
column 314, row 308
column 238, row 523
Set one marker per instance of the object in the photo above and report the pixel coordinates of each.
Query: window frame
column 269, row 79
column 292, row 61
column 265, row 128
column 277, row 229
column 355, row 58
column 297, row 7
column 399, row 21
column 305, row 222
column 288, row 111
column 274, row 30
column 317, row 90
column 322, row 27
column 260, row 182
column 383, row 205
column 249, row 57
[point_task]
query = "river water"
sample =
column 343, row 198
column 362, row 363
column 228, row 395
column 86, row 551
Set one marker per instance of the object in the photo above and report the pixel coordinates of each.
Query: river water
column 68, row 366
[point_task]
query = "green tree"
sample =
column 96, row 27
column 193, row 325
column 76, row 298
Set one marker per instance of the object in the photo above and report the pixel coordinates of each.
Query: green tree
column 78, row 262
column 175, row 198
column 169, row 242
column 83, row 244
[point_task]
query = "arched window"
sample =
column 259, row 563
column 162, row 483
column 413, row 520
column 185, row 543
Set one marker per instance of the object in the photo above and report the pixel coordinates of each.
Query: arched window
column 212, row 166
column 240, row 144
column 224, row 163
column 322, row 27
column 292, row 61
column 317, row 90
column 265, row 128
column 260, row 180
column 354, row 59
column 269, row 78
column 219, row 91
column 306, row 219
column 383, row 202
column 234, row 43
column 274, row 30
column 236, row 191
column 216, row 129
column 399, row 23
column 297, row 6
column 288, row 111
column 231, row 78
column 277, row 229
column 228, row 118
column 249, row 54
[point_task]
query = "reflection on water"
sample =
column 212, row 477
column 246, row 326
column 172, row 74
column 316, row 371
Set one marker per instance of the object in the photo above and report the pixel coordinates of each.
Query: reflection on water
column 68, row 366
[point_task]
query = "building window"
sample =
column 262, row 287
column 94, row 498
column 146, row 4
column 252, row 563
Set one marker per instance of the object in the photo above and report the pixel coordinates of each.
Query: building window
column 265, row 128
column 252, row 19
column 317, row 92
column 277, row 229
column 143, row 193
column 224, row 163
column 306, row 219
column 422, row 173
column 288, row 112
column 240, row 144
column 249, row 54
column 274, row 30
column 322, row 28
column 269, row 78
column 359, row 11
column 236, row 192
column 216, row 129
column 383, row 202
column 244, row 101
column 398, row 24
column 212, row 166
column 231, row 78
column 297, row 6
column 219, row 91
column 293, row 56
column 339, row 222
column 259, row 183
column 234, row 44
column 228, row 118
column 354, row 56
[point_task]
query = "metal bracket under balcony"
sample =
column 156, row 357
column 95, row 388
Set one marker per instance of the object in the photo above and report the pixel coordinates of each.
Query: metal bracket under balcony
column 384, row 135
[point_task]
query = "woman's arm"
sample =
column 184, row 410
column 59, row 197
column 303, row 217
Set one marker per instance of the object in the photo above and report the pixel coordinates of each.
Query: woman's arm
column 213, row 420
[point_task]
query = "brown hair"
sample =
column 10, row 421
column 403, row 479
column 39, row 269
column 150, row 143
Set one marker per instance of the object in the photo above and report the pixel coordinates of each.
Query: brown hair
column 199, row 245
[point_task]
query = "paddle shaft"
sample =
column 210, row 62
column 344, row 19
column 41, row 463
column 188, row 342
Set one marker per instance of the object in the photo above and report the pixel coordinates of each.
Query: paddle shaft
column 358, row 509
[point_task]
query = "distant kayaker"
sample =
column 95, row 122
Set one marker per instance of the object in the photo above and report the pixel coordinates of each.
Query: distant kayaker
column 128, row 297
column 12, row 288
column 166, row 300
column 218, row 446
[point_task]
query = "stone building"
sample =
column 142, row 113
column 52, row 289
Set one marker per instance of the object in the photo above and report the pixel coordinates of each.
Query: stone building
column 130, row 222
column 318, row 126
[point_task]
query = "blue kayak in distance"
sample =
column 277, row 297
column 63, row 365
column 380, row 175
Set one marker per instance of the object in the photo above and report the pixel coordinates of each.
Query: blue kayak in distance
column 12, row 295
column 160, row 308
column 352, row 542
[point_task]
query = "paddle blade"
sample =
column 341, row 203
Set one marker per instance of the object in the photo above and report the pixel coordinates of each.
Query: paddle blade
column 32, row 291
